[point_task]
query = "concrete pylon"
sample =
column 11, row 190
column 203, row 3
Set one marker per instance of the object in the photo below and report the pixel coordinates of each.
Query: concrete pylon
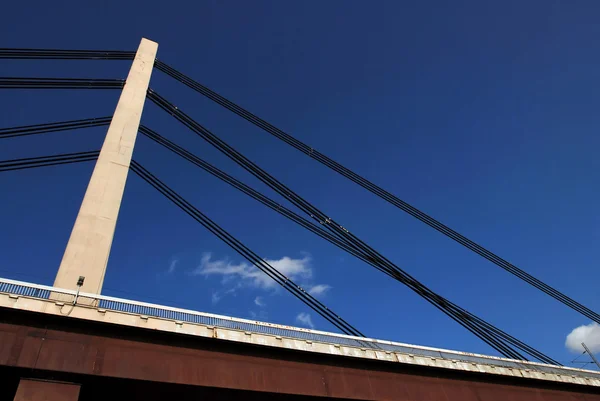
column 91, row 239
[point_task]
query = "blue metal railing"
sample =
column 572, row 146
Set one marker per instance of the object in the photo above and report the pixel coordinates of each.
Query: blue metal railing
column 27, row 291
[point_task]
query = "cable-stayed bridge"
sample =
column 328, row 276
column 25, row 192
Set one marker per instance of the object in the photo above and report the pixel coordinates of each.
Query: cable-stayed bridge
column 71, row 341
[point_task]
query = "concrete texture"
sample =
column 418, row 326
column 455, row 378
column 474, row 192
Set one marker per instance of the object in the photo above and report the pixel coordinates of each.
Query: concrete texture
column 89, row 246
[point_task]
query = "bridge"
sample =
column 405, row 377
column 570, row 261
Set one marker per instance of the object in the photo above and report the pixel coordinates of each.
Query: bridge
column 69, row 342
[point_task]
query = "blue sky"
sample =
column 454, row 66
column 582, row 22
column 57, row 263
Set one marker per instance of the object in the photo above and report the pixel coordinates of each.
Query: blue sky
column 482, row 114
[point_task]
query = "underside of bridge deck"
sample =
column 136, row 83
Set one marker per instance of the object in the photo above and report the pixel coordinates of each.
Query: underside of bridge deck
column 98, row 388
column 109, row 361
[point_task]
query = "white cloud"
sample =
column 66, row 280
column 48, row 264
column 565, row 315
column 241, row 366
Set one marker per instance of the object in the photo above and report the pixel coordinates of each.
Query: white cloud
column 588, row 334
column 245, row 275
column 319, row 289
column 294, row 269
column 172, row 266
column 259, row 301
column 304, row 319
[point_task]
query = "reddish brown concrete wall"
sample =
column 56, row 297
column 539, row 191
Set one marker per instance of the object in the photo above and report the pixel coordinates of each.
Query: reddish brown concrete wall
column 66, row 351
column 35, row 390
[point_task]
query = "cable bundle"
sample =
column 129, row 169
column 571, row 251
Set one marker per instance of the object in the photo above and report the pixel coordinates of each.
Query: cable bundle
column 43, row 161
column 494, row 337
column 326, row 228
column 382, row 193
column 54, row 127
column 53, row 54
column 264, row 266
column 71, row 83
column 265, row 200
column 243, row 250
column 60, row 83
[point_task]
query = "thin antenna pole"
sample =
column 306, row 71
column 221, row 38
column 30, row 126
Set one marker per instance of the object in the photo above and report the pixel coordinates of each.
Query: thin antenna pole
column 591, row 355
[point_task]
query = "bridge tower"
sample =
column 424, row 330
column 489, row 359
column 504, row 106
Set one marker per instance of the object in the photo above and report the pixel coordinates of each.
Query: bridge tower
column 89, row 245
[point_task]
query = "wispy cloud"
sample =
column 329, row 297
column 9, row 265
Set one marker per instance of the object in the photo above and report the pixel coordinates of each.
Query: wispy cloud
column 172, row 266
column 294, row 269
column 218, row 295
column 318, row 290
column 588, row 334
column 235, row 276
column 304, row 319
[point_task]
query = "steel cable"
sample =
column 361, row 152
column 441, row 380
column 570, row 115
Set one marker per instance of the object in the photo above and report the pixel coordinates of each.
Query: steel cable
column 59, row 83
column 55, row 54
column 339, row 230
column 475, row 327
column 53, row 127
column 316, row 229
column 252, row 257
column 44, row 161
column 413, row 211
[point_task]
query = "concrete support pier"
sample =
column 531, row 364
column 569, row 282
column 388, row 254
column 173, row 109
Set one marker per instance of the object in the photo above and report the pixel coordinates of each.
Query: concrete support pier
column 89, row 246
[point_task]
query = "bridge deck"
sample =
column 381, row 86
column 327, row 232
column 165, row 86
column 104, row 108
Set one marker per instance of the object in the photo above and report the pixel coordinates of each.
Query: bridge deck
column 51, row 300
